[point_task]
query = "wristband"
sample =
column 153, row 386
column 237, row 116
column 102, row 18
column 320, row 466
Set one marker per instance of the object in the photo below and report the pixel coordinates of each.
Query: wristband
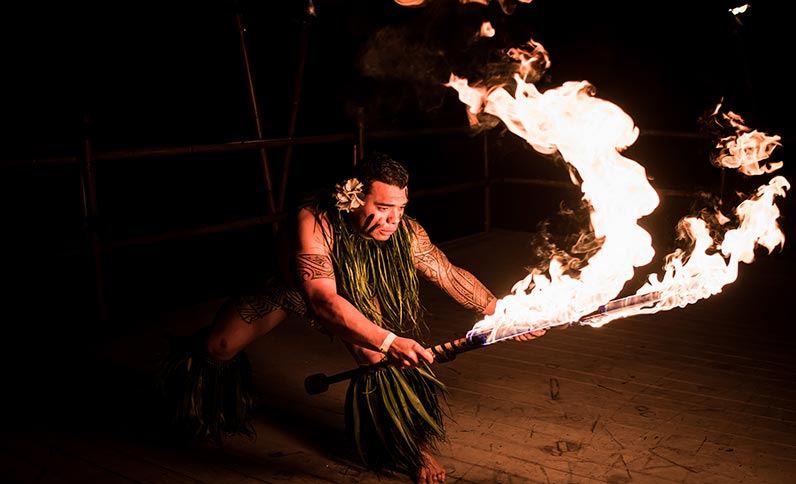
column 385, row 345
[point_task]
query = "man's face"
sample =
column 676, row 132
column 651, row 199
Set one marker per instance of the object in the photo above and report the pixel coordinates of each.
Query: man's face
column 380, row 216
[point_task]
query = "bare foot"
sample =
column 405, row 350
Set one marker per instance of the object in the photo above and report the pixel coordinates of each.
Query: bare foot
column 431, row 472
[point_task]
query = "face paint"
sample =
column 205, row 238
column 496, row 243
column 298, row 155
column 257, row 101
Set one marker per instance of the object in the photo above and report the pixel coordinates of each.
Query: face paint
column 368, row 220
column 381, row 214
column 373, row 227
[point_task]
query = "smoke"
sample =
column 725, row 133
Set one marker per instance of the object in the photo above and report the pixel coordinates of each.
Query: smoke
column 396, row 54
column 417, row 54
column 568, row 239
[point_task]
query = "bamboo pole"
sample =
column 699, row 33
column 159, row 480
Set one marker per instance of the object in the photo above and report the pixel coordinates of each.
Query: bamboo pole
column 269, row 193
column 669, row 192
column 294, row 107
column 459, row 187
column 243, row 145
column 88, row 184
column 194, row 231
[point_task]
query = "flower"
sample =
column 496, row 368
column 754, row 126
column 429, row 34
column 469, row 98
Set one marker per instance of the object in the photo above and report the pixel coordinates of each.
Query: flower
column 348, row 195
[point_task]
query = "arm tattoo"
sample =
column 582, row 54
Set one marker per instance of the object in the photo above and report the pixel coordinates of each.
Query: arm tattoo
column 462, row 286
column 314, row 266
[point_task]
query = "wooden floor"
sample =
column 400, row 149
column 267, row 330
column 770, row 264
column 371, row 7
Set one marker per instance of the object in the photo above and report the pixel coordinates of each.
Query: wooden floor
column 699, row 395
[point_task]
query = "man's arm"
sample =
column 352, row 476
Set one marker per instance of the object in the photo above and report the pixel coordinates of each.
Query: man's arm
column 316, row 278
column 462, row 286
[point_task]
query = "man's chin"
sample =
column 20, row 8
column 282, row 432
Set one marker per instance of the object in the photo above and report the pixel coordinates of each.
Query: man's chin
column 382, row 236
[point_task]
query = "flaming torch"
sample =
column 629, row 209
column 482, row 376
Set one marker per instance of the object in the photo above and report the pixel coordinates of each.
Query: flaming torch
column 590, row 134
column 445, row 352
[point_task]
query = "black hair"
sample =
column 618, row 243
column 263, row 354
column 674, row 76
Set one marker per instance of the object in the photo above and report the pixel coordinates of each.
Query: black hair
column 380, row 167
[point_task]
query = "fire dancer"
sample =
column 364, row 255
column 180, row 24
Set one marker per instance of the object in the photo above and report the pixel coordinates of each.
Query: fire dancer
column 355, row 261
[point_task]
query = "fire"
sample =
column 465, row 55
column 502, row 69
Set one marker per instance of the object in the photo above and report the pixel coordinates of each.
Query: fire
column 590, row 134
column 411, row 3
column 419, row 3
column 747, row 148
column 700, row 274
column 532, row 61
column 487, row 30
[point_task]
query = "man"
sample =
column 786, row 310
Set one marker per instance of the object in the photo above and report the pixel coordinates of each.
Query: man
column 355, row 265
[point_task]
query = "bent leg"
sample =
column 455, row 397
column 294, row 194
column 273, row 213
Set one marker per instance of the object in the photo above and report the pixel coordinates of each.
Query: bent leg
column 206, row 379
column 230, row 333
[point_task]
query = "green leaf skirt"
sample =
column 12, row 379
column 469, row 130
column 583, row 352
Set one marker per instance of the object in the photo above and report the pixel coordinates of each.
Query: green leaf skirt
column 393, row 414
column 204, row 397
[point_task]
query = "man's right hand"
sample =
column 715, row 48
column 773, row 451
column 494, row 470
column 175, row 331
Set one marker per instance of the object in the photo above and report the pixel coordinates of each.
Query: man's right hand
column 408, row 353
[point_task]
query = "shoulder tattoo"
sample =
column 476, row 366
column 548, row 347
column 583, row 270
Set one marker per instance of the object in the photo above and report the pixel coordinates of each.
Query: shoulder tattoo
column 461, row 285
column 314, row 266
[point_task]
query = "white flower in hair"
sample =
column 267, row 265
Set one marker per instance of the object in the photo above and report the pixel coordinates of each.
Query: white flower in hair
column 348, row 195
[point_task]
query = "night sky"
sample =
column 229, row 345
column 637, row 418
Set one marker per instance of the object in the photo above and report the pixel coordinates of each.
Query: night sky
column 150, row 74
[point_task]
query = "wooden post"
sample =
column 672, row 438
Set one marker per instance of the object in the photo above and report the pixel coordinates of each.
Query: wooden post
column 88, row 185
column 269, row 193
column 297, row 83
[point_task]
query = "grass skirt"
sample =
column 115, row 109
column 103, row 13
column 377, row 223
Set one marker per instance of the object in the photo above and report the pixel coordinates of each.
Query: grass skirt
column 206, row 398
column 391, row 414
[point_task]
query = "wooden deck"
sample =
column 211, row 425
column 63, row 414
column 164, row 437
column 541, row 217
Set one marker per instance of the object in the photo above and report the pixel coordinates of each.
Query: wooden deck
column 697, row 395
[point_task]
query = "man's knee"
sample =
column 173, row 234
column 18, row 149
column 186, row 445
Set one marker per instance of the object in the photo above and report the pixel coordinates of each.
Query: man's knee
column 228, row 335
column 231, row 333
column 219, row 347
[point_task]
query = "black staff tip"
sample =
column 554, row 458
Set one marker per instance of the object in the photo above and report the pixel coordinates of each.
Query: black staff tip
column 315, row 384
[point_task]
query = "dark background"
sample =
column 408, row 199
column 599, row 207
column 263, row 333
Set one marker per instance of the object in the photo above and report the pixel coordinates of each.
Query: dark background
column 148, row 74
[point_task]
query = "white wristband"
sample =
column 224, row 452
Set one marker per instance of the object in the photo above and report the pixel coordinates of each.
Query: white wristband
column 385, row 345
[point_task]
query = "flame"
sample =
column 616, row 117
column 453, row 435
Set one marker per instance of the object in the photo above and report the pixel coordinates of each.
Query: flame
column 411, row 3
column 590, row 134
column 700, row 274
column 739, row 10
column 487, row 30
column 747, row 148
column 506, row 5
column 710, row 265
column 533, row 61
column 486, row 2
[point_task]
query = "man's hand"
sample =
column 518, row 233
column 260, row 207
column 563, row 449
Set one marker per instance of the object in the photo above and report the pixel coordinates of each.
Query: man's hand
column 407, row 353
column 530, row 336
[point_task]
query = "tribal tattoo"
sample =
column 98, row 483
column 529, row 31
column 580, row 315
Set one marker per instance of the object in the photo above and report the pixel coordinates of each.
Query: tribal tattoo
column 433, row 264
column 314, row 266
